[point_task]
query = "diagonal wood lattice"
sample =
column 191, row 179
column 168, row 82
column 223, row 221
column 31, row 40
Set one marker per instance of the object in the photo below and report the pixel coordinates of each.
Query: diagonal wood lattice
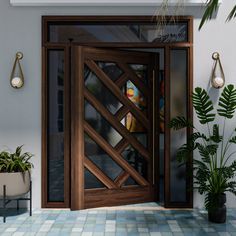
column 143, row 118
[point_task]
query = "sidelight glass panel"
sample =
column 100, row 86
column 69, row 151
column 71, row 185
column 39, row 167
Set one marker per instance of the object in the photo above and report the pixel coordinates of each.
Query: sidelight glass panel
column 178, row 107
column 111, row 32
column 110, row 69
column 101, row 159
column 55, row 131
column 101, row 92
column 101, row 125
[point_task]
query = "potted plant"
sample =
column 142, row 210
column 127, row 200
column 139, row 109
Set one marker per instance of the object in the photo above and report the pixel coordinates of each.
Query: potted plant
column 15, row 172
column 214, row 171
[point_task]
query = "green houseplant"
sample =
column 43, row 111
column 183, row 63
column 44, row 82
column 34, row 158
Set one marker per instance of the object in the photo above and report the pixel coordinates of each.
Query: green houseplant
column 213, row 172
column 210, row 7
column 15, row 172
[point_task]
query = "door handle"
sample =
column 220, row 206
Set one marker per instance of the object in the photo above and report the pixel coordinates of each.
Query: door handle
column 153, row 124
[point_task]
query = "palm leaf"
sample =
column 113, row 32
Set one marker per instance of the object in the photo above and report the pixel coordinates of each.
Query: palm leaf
column 207, row 151
column 232, row 14
column 211, row 7
column 216, row 137
column 203, row 106
column 197, row 135
column 227, row 102
column 183, row 153
column 180, row 122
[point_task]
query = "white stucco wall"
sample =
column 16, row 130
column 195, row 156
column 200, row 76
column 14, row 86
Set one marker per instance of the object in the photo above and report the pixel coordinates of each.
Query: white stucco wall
column 20, row 30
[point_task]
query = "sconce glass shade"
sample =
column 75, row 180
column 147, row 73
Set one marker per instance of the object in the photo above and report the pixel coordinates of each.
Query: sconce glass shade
column 218, row 76
column 17, row 77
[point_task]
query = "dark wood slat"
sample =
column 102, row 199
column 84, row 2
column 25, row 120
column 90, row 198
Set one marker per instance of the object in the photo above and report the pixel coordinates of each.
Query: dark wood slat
column 124, row 175
column 121, row 178
column 77, row 132
column 114, row 154
column 120, row 114
column 120, row 82
column 139, row 115
column 122, row 145
column 138, row 82
column 124, row 195
column 99, row 174
column 109, row 18
column 116, row 124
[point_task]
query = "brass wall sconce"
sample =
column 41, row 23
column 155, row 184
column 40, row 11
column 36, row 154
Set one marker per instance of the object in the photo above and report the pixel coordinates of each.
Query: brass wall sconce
column 17, row 77
column 218, row 76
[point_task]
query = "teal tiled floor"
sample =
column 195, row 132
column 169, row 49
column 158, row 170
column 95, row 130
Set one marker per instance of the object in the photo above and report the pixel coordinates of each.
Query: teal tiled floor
column 117, row 222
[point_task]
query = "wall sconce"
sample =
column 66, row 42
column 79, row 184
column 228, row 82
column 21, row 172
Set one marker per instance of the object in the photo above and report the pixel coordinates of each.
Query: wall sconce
column 217, row 80
column 17, row 77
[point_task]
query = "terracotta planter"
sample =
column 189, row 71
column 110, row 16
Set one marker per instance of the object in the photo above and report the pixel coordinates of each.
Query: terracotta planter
column 16, row 183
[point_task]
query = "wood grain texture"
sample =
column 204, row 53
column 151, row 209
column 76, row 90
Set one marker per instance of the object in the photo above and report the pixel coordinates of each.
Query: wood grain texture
column 77, row 133
column 127, row 195
column 120, row 147
column 120, row 180
column 99, row 174
column 116, row 124
column 114, row 154
column 118, row 93
column 122, row 112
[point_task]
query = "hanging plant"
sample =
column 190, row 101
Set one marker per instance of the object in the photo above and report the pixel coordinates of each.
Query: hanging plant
column 210, row 7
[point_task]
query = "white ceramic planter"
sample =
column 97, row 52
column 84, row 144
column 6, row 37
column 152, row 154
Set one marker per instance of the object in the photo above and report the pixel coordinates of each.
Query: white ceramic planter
column 16, row 183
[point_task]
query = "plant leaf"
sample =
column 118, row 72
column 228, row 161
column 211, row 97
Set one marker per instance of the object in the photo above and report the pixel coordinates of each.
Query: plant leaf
column 232, row 14
column 180, row 122
column 211, row 7
column 227, row 102
column 203, row 106
column 216, row 137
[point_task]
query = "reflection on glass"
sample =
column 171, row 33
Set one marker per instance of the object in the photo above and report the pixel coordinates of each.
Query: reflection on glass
column 101, row 92
column 142, row 138
column 142, row 32
column 101, row 159
column 130, row 181
column 110, row 69
column 136, row 160
column 55, row 132
column 134, row 95
column 141, row 71
column 178, row 107
column 101, row 125
column 91, row 181
column 162, row 101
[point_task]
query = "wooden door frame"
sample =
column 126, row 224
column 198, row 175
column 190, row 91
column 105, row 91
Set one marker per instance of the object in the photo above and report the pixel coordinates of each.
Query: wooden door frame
column 46, row 20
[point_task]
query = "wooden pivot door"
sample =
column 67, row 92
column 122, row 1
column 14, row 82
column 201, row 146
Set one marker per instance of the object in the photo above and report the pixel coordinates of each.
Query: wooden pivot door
column 113, row 145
